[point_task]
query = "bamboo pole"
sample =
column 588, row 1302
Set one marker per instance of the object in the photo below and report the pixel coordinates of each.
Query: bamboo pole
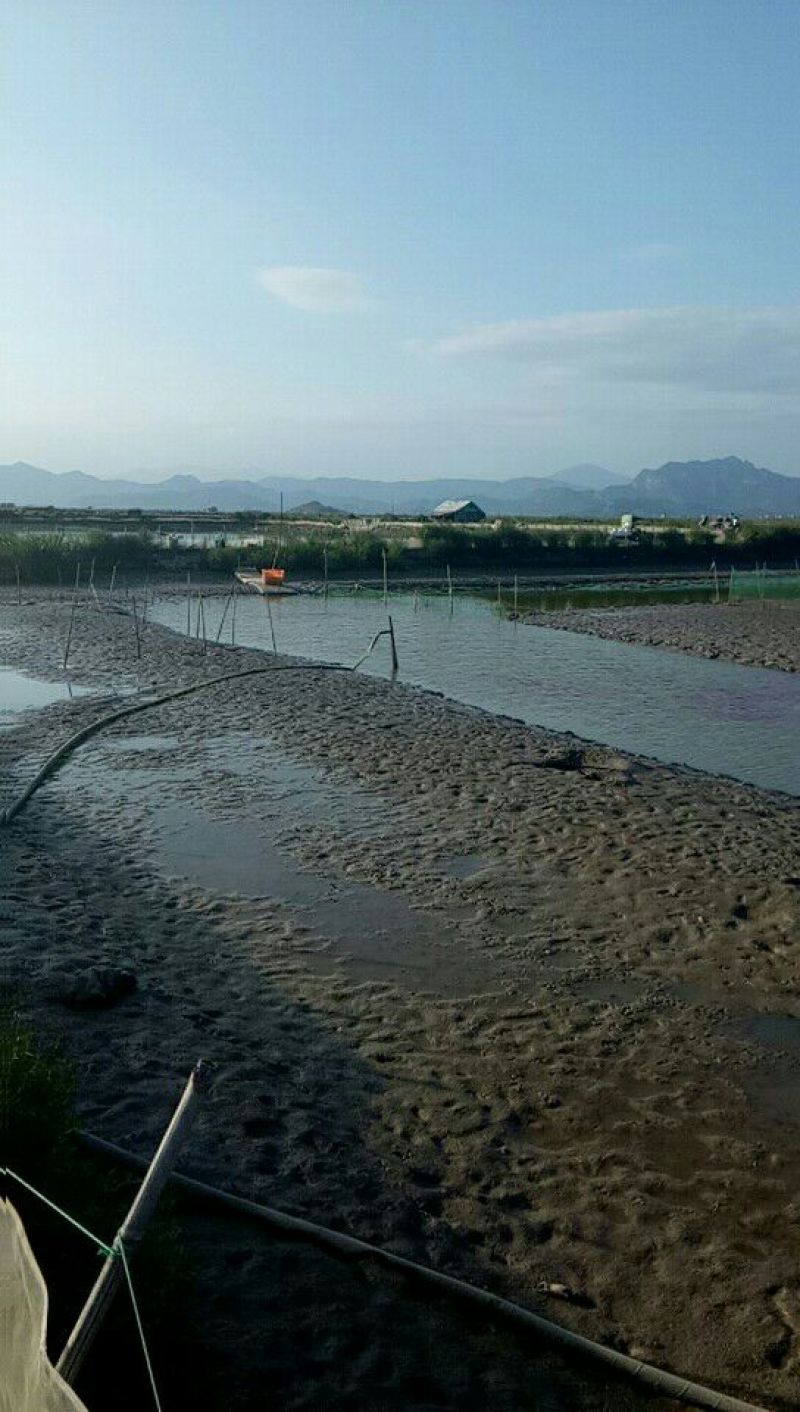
column 136, row 627
column 516, row 594
column 72, row 614
column 19, row 586
column 450, row 588
column 112, row 583
column 233, row 614
column 203, row 621
column 499, row 595
column 224, row 615
column 271, row 623
column 395, row 665
column 325, row 572
column 385, row 581
column 716, row 580
column 130, row 1232
column 188, row 602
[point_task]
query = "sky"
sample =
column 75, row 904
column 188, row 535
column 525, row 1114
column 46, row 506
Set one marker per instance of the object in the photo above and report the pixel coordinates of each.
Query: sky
column 399, row 238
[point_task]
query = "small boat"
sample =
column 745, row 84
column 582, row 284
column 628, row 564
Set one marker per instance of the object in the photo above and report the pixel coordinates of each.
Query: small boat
column 271, row 581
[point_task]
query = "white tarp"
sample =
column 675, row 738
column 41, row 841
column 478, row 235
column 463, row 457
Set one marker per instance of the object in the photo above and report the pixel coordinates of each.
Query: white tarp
column 28, row 1382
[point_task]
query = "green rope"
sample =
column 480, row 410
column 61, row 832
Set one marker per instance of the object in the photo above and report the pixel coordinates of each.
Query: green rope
column 123, row 1257
column 106, row 1250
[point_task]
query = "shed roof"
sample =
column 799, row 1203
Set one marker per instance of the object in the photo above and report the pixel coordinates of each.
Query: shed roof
column 449, row 507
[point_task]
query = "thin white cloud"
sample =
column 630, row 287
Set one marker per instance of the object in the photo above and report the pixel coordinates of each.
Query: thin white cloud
column 716, row 350
column 315, row 289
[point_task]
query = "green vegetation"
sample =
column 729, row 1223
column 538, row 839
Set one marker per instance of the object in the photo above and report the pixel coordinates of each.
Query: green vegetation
column 509, row 545
column 52, row 558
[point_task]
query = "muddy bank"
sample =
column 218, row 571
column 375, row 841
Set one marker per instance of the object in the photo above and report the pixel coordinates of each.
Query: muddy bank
column 756, row 634
column 506, row 1019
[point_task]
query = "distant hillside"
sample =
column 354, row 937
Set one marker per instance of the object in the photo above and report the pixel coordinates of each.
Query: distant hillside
column 315, row 510
column 690, row 488
column 587, row 477
column 707, row 487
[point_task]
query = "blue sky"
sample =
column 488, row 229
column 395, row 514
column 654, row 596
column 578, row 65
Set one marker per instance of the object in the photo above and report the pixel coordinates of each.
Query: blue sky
column 399, row 239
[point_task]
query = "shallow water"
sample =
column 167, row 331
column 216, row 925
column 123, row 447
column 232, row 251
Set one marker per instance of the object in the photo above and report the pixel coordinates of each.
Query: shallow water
column 715, row 716
column 367, row 925
column 19, row 692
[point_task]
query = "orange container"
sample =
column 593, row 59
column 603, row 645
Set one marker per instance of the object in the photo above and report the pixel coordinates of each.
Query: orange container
column 273, row 575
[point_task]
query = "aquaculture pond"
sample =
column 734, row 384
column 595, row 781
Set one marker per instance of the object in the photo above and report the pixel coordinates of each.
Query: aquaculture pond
column 712, row 715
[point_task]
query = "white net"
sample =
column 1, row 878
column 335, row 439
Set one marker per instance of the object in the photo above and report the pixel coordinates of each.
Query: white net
column 28, row 1382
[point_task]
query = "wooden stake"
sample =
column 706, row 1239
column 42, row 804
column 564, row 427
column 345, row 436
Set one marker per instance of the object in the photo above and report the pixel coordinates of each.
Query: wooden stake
column 233, row 614
column 325, row 571
column 450, row 587
column 130, row 1232
column 136, row 626
column 72, row 614
column 516, row 595
column 385, row 580
column 499, row 597
column 113, row 581
column 716, row 580
column 394, row 648
column 19, row 587
column 203, row 621
column 188, row 603
column 271, row 623
column 224, row 615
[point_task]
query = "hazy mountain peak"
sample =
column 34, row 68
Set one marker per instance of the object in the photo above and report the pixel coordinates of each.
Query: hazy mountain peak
column 586, row 476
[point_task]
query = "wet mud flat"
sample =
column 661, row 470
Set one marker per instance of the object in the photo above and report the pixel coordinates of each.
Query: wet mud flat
column 756, row 634
column 518, row 1022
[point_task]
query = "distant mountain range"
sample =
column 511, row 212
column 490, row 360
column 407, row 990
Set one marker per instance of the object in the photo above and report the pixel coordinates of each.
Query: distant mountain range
column 677, row 488
column 587, row 477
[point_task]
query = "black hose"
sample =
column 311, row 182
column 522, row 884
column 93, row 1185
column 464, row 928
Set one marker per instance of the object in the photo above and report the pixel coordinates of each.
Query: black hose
column 346, row 1247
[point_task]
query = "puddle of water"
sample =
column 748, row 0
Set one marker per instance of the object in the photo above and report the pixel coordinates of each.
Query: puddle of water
column 19, row 692
column 773, row 1031
column 311, row 793
column 773, row 1091
column 610, row 991
column 140, row 744
column 369, row 926
column 463, row 865
column 776, row 1096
